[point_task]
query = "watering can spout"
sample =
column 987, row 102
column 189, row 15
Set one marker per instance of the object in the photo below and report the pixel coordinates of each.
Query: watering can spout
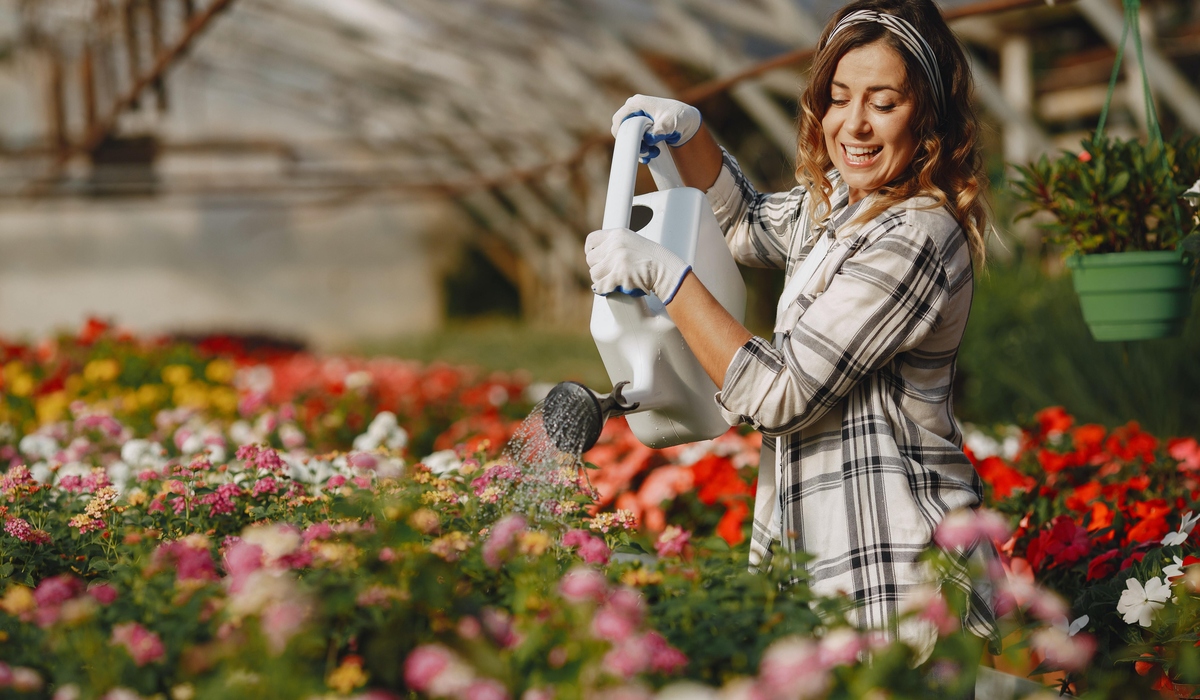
column 574, row 415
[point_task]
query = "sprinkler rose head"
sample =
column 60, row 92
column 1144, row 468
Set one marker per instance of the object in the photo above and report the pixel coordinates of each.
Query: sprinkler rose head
column 573, row 414
column 572, row 417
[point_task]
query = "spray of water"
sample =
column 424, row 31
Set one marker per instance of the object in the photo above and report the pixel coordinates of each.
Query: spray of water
column 541, row 480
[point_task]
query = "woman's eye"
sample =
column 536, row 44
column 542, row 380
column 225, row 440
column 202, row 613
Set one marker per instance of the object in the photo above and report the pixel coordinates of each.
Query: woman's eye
column 839, row 102
column 885, row 108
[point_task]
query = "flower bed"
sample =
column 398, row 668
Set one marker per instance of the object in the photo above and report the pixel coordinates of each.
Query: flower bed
column 201, row 520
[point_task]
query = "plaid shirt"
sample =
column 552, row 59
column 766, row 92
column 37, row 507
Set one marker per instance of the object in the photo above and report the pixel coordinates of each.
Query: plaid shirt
column 857, row 389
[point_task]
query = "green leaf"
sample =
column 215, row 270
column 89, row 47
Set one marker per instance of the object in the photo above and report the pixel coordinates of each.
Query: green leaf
column 1118, row 185
column 97, row 564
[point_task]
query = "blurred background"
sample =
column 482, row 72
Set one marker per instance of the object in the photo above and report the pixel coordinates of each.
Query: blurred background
column 416, row 177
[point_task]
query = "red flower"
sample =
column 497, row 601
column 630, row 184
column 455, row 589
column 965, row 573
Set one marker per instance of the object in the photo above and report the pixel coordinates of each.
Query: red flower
column 1104, row 565
column 1089, row 441
column 1148, row 530
column 717, row 479
column 730, row 527
column 1053, row 421
column 1002, row 478
column 1054, row 462
column 1062, row 544
column 1085, row 157
column 1129, row 561
column 1081, row 498
column 1130, row 444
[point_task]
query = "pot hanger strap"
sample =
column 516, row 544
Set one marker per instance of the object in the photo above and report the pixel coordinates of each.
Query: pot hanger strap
column 1131, row 20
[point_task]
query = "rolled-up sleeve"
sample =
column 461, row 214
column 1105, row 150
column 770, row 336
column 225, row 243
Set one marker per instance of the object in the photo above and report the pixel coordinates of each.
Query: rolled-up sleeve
column 884, row 300
column 758, row 227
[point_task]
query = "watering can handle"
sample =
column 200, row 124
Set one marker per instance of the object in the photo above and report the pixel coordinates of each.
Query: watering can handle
column 623, row 175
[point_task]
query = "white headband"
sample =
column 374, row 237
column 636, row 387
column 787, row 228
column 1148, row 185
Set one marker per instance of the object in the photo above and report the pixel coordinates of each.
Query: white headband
column 913, row 41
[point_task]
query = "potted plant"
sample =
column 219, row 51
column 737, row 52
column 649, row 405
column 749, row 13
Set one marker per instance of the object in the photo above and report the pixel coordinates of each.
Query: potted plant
column 1119, row 212
column 1118, row 209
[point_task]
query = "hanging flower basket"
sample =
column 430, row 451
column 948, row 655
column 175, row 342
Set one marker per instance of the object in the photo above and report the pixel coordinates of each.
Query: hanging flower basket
column 1137, row 295
column 1123, row 212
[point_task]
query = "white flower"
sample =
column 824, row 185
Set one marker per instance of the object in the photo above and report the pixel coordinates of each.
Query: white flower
column 1175, row 570
column 38, row 446
column 1078, row 625
column 1185, row 528
column 441, row 462
column 1138, row 603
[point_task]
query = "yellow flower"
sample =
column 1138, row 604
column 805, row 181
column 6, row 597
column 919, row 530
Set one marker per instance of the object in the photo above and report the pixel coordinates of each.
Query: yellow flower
column 641, row 577
column 191, row 394
column 21, row 385
column 17, row 599
column 424, row 520
column 348, row 676
column 335, row 553
column 177, row 374
column 220, row 371
column 533, row 542
column 224, row 399
column 151, row 395
column 51, row 407
column 137, row 497
column 450, row 545
column 103, row 370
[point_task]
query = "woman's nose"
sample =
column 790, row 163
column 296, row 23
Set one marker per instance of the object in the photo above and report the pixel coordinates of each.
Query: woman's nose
column 856, row 120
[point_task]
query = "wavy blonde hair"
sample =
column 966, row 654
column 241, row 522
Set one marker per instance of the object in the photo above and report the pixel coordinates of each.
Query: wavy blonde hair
column 946, row 165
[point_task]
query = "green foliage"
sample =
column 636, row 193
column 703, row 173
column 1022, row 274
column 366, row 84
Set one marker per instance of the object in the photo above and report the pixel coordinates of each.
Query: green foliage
column 1026, row 347
column 1114, row 196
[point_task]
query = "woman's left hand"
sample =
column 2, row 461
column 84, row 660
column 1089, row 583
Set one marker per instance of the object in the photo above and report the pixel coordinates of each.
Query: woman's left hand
column 622, row 261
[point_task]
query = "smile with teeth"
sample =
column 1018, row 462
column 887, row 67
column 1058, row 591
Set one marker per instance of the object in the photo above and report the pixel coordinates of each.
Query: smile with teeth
column 857, row 155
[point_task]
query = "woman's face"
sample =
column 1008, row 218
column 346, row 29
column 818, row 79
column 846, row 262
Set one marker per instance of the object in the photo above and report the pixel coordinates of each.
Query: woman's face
column 866, row 126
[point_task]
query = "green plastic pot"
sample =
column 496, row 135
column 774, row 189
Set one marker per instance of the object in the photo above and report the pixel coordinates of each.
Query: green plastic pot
column 1133, row 296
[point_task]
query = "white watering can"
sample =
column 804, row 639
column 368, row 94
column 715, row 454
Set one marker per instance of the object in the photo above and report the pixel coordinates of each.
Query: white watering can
column 658, row 383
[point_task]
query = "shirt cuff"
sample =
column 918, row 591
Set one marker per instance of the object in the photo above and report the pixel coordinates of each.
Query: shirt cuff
column 737, row 402
column 724, row 196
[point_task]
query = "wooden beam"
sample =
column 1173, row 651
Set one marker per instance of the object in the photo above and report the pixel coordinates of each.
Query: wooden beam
column 99, row 129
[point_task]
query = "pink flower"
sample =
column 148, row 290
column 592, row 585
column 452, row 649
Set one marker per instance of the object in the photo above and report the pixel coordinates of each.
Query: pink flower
column 220, row 502
column 485, row 689
column 281, row 621
column 142, row 644
column 335, row 481
column 241, row 560
column 317, row 531
column 499, row 626
column 672, row 542
column 964, row 528
column 629, row 603
column 664, row 658
column 791, row 668
column 611, row 625
column 500, row 541
column 626, row 660
column 591, row 548
column 840, row 647
column 26, row 680
column 581, row 584
column 1062, row 650
column 57, row 590
column 22, row 530
column 265, row 485
column 424, row 664
column 102, row 593
column 387, row 554
column 189, row 557
column 435, row 670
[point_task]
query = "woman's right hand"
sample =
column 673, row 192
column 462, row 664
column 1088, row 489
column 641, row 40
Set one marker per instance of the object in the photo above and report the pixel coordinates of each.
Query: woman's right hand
column 674, row 122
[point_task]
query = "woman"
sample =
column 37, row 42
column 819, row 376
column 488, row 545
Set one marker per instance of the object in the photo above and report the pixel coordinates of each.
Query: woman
column 854, row 391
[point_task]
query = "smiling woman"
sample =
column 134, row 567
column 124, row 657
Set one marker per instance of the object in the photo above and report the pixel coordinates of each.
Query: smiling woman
column 862, row 457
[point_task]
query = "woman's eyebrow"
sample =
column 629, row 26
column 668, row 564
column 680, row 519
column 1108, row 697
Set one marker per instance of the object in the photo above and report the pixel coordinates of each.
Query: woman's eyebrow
column 873, row 88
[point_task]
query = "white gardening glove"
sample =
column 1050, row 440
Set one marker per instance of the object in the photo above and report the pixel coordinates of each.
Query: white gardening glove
column 674, row 122
column 622, row 261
